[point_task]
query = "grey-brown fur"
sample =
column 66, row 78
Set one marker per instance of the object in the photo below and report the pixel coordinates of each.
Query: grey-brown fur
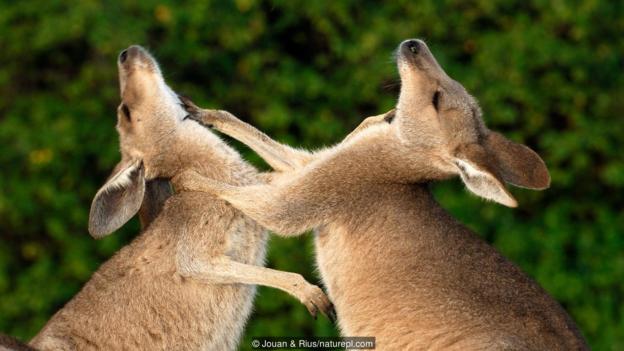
column 187, row 281
column 397, row 265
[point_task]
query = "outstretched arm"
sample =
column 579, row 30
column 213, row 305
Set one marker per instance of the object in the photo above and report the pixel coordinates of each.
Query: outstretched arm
column 224, row 270
column 279, row 156
column 289, row 208
column 202, row 254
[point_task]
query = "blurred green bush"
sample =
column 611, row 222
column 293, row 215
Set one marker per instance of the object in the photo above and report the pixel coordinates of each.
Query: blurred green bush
column 548, row 74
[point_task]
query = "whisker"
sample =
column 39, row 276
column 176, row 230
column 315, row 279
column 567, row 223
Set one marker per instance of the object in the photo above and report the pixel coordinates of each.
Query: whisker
column 391, row 84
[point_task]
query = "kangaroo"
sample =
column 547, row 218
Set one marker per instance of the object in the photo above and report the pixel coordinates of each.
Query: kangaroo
column 187, row 281
column 397, row 265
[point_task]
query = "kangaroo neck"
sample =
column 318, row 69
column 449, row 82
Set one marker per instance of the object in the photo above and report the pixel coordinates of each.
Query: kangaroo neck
column 193, row 147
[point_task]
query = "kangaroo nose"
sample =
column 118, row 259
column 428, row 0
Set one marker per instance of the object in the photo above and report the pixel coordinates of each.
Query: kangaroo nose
column 413, row 45
column 123, row 56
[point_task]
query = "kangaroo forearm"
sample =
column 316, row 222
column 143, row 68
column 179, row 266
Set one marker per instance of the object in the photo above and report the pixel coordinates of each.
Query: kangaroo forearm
column 279, row 156
column 290, row 211
column 224, row 270
column 227, row 271
column 273, row 211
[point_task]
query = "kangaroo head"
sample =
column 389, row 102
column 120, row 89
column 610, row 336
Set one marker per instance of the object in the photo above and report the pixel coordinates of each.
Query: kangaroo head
column 150, row 113
column 437, row 116
column 147, row 122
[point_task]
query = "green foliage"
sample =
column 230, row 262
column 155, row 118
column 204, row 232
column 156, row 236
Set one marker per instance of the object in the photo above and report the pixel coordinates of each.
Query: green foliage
column 547, row 74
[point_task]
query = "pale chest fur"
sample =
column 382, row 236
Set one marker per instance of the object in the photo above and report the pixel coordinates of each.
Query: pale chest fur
column 416, row 279
column 375, row 291
column 354, row 275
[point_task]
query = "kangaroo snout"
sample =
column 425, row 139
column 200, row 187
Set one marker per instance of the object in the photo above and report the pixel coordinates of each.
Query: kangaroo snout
column 412, row 46
column 139, row 73
column 123, row 56
column 417, row 55
column 413, row 51
column 131, row 52
column 135, row 56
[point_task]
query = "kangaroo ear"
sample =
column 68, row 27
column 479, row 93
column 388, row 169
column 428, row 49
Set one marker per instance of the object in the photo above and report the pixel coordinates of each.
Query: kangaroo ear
column 517, row 164
column 476, row 172
column 117, row 200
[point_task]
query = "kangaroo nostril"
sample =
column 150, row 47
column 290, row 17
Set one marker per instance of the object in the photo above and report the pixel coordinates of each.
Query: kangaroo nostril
column 413, row 46
column 123, row 56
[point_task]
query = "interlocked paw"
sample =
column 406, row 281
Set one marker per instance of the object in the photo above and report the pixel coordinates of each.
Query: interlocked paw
column 189, row 106
column 315, row 300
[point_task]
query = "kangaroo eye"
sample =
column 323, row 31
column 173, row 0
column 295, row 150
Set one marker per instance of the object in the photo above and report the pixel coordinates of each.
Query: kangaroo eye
column 126, row 111
column 436, row 100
